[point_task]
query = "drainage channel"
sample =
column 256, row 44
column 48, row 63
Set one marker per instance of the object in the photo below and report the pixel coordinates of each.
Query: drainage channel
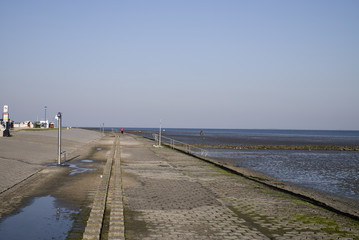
column 106, row 216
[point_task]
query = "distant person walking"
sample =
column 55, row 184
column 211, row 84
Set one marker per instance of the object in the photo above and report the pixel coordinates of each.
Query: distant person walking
column 121, row 130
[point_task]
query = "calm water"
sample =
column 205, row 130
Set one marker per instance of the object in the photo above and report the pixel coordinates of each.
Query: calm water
column 335, row 172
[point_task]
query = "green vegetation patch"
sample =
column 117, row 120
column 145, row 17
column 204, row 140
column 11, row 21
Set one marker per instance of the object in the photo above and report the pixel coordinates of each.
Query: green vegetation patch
column 316, row 220
column 326, row 224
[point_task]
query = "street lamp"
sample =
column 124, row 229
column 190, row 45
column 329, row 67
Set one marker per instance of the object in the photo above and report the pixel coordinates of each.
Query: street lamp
column 159, row 139
column 59, row 138
column 45, row 108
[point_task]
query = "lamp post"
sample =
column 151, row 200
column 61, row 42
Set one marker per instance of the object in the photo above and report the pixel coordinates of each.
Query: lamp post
column 59, row 138
column 45, row 108
column 159, row 139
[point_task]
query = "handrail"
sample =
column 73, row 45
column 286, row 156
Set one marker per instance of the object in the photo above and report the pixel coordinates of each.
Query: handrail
column 174, row 144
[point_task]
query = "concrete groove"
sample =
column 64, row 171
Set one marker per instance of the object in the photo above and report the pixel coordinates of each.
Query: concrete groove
column 95, row 221
column 108, row 199
column 117, row 230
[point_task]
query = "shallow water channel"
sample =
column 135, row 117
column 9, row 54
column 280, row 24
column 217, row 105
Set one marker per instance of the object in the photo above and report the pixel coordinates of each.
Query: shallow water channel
column 43, row 218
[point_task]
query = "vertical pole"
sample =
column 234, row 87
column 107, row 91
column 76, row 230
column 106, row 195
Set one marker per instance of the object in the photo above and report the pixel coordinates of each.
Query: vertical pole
column 59, row 138
column 159, row 140
column 45, row 117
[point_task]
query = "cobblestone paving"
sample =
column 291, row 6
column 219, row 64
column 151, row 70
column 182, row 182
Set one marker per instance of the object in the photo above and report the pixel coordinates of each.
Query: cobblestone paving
column 169, row 195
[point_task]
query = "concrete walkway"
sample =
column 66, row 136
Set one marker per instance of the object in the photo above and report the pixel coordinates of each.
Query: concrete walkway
column 170, row 195
column 27, row 152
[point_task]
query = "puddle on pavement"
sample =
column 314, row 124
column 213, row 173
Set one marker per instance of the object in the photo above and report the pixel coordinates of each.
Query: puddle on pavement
column 86, row 161
column 79, row 168
column 42, row 219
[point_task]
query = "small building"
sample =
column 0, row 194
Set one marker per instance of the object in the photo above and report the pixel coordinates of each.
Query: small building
column 22, row 124
column 44, row 124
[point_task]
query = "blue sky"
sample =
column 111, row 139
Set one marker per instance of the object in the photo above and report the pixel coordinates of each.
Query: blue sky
column 201, row 64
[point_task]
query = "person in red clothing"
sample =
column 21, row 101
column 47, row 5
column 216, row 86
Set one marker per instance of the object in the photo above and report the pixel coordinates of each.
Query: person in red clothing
column 121, row 130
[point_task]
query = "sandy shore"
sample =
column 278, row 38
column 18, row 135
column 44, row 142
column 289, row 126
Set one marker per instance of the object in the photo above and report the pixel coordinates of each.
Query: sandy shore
column 26, row 152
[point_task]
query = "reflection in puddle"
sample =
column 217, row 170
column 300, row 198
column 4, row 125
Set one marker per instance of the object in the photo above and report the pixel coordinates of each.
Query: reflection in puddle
column 86, row 161
column 40, row 220
column 77, row 169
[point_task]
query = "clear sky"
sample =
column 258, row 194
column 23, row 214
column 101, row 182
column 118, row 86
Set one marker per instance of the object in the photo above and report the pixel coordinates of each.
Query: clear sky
column 192, row 63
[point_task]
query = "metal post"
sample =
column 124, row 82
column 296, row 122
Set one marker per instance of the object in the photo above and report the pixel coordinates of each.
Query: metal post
column 45, row 116
column 59, row 138
column 159, row 140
